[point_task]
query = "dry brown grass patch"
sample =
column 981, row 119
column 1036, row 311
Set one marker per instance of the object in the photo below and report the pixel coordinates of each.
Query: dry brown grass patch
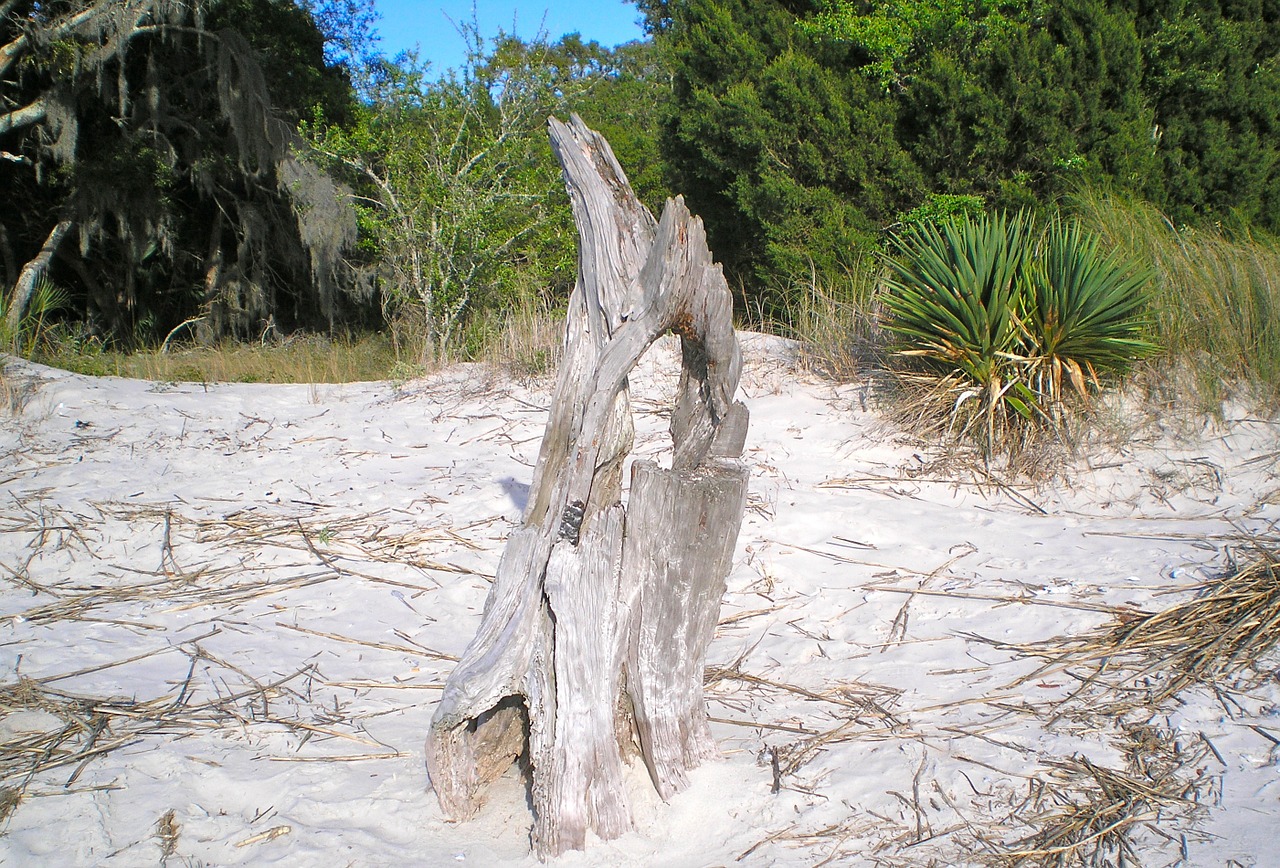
column 1087, row 815
column 1142, row 658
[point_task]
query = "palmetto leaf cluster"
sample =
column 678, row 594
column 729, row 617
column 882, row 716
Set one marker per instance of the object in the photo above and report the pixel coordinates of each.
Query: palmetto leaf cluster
column 1012, row 318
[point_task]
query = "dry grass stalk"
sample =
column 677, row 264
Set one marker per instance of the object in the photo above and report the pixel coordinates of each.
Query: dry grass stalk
column 942, row 412
column 365, row 537
column 181, row 578
column 861, row 709
column 525, row 342
column 863, row 699
column 13, row 391
column 1087, row 814
column 70, row 731
column 196, row 565
column 167, row 831
column 418, row 651
column 269, row 835
column 10, row 798
column 836, row 325
column 1231, row 623
column 78, row 604
column 66, row 729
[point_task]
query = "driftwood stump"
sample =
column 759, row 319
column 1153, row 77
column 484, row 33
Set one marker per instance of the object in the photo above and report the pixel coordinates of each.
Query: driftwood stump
column 593, row 639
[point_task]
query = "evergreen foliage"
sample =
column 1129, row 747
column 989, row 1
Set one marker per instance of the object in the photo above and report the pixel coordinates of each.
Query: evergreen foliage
column 792, row 162
column 151, row 152
column 801, row 129
column 1212, row 77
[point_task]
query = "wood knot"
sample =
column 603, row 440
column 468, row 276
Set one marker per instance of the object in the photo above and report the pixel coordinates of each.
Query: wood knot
column 682, row 324
column 571, row 521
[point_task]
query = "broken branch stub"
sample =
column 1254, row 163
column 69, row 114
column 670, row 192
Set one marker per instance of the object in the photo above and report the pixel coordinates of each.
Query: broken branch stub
column 593, row 639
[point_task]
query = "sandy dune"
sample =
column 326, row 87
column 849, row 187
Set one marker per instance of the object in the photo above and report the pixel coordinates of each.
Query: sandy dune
column 227, row 611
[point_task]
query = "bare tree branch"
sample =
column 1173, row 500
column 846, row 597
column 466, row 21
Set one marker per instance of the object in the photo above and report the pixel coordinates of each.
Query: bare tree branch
column 32, row 113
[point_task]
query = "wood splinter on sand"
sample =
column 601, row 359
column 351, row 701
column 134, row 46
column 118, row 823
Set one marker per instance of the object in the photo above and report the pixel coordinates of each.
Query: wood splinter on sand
column 593, row 639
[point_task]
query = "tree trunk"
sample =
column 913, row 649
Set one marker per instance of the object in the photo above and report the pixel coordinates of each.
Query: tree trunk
column 7, row 257
column 593, row 638
column 25, row 286
column 214, row 320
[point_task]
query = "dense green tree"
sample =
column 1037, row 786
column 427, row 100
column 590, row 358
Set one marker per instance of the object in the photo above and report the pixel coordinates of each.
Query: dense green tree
column 798, row 129
column 1212, row 77
column 150, row 150
column 791, row 161
column 1038, row 101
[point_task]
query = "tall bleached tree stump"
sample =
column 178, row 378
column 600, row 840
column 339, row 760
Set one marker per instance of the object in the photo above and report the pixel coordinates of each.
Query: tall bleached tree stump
column 593, row 640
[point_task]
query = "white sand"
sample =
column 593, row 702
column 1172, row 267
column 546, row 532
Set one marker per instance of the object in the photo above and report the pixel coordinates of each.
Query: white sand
column 315, row 557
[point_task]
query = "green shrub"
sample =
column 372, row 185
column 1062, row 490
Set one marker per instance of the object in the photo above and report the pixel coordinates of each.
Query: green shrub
column 1001, row 315
column 943, row 206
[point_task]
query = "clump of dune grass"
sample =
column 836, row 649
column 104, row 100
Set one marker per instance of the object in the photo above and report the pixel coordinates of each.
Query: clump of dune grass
column 1228, row 627
column 36, row 322
column 525, row 340
column 11, row 392
column 1215, row 297
column 835, row 323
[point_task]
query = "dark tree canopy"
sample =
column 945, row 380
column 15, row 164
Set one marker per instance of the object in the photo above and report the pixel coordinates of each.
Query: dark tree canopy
column 150, row 146
column 800, row 128
column 786, row 156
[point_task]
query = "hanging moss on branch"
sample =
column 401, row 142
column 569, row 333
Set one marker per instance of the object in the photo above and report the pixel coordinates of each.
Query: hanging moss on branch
column 155, row 169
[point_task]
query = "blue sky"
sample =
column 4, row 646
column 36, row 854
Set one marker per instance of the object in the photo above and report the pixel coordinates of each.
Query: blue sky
column 406, row 23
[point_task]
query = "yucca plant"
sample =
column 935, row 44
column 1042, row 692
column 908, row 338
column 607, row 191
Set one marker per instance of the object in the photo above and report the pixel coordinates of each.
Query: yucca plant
column 1007, row 314
column 954, row 292
column 1082, row 311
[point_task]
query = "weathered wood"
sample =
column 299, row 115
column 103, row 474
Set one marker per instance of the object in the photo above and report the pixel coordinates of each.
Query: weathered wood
column 580, row 783
column 681, row 531
column 25, row 286
column 597, row 610
column 493, row 669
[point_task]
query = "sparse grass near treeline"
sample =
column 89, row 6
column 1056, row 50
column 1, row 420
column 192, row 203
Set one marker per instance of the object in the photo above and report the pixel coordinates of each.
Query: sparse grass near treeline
column 298, row 359
column 522, row 341
column 1213, row 310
